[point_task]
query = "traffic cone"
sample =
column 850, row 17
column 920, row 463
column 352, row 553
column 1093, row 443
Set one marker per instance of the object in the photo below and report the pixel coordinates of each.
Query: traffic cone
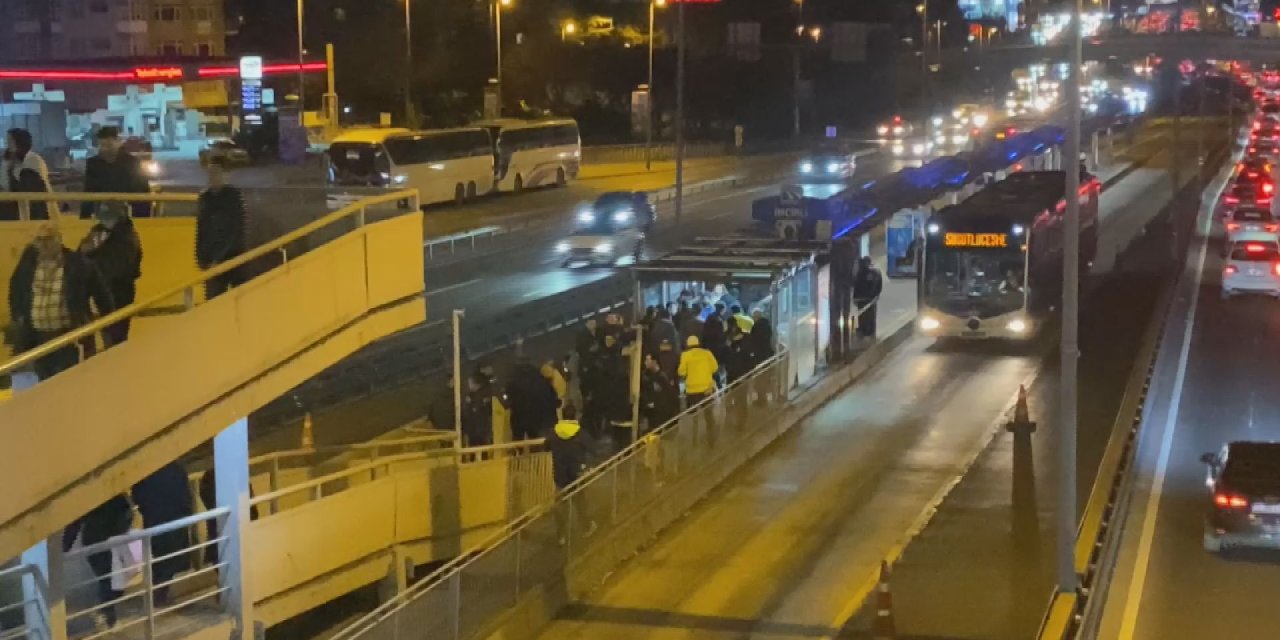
column 1021, row 423
column 883, row 628
column 308, row 433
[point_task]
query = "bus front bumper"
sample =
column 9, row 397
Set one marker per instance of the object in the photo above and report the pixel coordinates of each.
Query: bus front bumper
column 1009, row 326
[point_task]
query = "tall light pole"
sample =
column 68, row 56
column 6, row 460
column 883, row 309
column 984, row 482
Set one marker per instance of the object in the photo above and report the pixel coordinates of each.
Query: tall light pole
column 410, row 119
column 923, row 10
column 497, row 43
column 680, row 111
column 648, row 120
column 302, row 90
column 1070, row 347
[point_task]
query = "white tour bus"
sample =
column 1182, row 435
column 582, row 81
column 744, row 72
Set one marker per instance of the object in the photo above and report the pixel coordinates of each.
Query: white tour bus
column 442, row 164
column 534, row 153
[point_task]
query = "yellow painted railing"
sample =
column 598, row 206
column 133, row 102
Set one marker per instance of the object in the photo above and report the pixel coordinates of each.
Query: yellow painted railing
column 186, row 288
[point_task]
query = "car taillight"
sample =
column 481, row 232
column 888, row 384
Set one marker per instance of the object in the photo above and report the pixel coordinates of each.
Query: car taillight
column 1231, row 226
column 1254, row 247
column 1231, row 199
column 1268, row 187
column 1225, row 500
column 1229, row 269
column 1257, row 125
column 1252, row 174
column 1253, row 149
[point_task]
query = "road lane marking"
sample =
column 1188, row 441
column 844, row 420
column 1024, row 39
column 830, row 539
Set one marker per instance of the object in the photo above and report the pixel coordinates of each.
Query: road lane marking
column 451, row 287
column 1151, row 511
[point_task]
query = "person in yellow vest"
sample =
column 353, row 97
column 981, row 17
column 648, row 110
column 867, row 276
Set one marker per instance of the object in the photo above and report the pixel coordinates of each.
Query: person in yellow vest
column 698, row 369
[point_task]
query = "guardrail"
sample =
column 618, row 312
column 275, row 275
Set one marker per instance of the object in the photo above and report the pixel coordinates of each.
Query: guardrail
column 661, row 152
column 54, row 199
column 355, row 213
column 464, row 596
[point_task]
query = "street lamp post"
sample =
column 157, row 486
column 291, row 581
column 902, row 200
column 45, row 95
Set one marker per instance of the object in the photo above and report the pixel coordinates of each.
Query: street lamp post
column 302, row 91
column 680, row 110
column 409, row 116
column 567, row 29
column 497, row 39
column 923, row 10
column 1070, row 348
column 648, row 119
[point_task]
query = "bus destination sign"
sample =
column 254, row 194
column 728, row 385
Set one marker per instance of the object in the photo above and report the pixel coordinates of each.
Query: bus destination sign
column 983, row 240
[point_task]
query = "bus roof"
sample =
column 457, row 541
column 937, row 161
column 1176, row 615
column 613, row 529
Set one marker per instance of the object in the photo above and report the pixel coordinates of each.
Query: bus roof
column 1022, row 195
column 517, row 123
column 374, row 136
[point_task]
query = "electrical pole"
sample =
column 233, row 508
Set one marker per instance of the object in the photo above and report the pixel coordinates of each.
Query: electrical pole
column 457, row 374
column 923, row 10
column 648, row 109
column 680, row 53
column 1066, row 538
column 302, row 90
column 410, row 119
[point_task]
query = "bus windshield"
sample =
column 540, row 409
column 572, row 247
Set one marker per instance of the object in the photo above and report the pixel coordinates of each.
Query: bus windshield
column 357, row 163
column 975, row 282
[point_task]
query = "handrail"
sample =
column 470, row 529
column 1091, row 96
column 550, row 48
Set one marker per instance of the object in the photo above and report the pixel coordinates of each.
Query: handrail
column 150, row 532
column 70, row 196
column 75, row 336
column 338, row 475
column 444, row 436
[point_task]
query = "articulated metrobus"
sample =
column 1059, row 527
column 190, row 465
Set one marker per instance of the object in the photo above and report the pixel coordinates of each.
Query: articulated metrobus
column 534, row 153
column 444, row 165
column 993, row 263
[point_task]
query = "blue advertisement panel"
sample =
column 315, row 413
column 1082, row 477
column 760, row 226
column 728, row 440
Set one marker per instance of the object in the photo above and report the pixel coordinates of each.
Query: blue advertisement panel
column 902, row 256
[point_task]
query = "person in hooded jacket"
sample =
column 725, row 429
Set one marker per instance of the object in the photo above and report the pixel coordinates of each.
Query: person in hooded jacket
column 568, row 449
column 162, row 497
column 114, row 247
column 477, row 412
column 24, row 172
column 533, row 402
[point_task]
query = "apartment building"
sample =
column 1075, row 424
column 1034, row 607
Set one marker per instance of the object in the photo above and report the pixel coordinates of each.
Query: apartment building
column 71, row 30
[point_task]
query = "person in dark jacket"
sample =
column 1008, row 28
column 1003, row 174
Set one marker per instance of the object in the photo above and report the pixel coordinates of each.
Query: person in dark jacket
column 477, row 412
column 220, row 229
column 533, row 402
column 867, row 285
column 664, row 343
column 613, row 391
column 568, row 449
column 113, row 246
column 54, row 290
column 114, row 170
column 108, row 520
column 162, row 497
column 714, row 340
column 659, row 394
column 440, row 411
column 24, row 172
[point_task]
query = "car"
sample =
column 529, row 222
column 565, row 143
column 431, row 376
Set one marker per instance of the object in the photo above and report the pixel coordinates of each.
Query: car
column 1262, row 148
column 829, row 164
column 613, row 227
column 1251, row 267
column 232, row 154
column 1245, row 194
column 1252, row 224
column 911, row 148
column 1243, row 508
column 970, row 115
column 1256, row 169
column 895, row 129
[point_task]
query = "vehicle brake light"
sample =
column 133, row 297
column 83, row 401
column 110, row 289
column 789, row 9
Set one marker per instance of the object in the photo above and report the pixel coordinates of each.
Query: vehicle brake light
column 897, row 119
column 1254, row 247
column 1230, row 501
column 1231, row 199
column 1275, row 268
column 1271, row 227
column 1257, row 125
column 1253, row 149
column 1231, row 226
column 1229, row 269
column 1253, row 174
column 1268, row 187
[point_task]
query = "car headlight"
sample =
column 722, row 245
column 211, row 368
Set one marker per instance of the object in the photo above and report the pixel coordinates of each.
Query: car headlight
column 622, row 216
column 929, row 323
column 882, row 130
column 898, row 150
column 1017, row 325
column 918, row 148
column 400, row 179
column 806, row 167
column 959, row 139
column 151, row 167
column 562, row 247
column 833, row 167
column 980, row 120
column 898, row 130
column 586, row 217
column 604, row 247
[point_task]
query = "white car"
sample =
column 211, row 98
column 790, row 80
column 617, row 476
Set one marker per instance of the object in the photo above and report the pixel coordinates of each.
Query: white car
column 911, row 148
column 1252, row 267
column 1252, row 224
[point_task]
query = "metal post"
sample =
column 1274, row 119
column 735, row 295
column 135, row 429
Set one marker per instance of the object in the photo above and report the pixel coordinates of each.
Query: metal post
column 497, row 40
column 680, row 111
column 302, row 91
column 1200, row 128
column 648, row 116
column 795, row 91
column 457, row 374
column 923, row 9
column 231, row 486
column 637, row 357
column 1070, row 323
column 331, row 95
column 148, row 591
column 410, row 118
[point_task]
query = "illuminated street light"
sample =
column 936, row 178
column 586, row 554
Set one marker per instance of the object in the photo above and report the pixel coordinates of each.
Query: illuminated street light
column 497, row 39
column 648, row 120
column 568, row 29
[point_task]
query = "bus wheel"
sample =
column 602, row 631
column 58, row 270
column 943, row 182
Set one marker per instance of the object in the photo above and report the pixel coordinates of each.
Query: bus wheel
column 561, row 180
column 471, row 190
column 459, row 194
column 518, row 187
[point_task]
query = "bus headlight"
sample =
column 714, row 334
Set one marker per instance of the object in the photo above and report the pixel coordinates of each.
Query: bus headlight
column 1017, row 325
column 586, row 216
column 806, row 167
column 604, row 247
column 833, row 167
column 929, row 323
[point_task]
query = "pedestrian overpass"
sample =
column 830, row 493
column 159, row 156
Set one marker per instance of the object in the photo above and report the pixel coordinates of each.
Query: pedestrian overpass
column 190, row 373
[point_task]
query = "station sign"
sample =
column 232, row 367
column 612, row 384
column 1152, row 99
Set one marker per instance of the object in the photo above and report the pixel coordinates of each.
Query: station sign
column 976, row 240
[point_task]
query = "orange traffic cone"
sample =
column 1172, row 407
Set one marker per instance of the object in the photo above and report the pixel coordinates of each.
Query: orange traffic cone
column 883, row 628
column 308, row 433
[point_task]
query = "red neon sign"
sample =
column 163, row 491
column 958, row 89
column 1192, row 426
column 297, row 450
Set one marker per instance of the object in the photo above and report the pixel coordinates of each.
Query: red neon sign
column 222, row 72
column 158, row 73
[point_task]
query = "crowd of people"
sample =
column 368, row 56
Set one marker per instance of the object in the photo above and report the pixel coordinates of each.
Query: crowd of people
column 54, row 289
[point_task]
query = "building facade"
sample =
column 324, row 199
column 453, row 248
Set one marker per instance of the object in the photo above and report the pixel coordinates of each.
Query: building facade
column 70, row 30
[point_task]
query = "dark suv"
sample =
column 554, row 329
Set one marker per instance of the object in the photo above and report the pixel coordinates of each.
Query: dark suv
column 1244, row 503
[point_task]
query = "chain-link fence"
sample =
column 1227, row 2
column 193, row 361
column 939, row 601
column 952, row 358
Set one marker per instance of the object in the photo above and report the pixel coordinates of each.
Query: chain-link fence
column 544, row 548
